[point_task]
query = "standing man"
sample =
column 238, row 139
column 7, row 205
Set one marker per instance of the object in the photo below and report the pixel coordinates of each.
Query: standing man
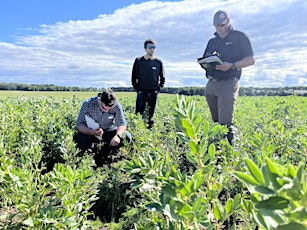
column 235, row 50
column 147, row 80
column 106, row 113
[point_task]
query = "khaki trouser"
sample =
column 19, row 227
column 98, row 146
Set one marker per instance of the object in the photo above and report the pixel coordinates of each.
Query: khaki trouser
column 221, row 97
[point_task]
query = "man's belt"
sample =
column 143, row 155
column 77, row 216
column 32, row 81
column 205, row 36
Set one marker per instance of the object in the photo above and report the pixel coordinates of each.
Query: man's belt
column 224, row 79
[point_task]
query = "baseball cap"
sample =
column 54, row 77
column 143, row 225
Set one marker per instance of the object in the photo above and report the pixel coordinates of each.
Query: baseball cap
column 220, row 17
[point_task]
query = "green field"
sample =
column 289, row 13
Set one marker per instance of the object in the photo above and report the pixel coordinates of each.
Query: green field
column 180, row 175
column 57, row 94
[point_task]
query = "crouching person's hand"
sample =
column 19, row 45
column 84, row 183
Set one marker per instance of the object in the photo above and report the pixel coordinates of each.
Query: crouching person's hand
column 115, row 141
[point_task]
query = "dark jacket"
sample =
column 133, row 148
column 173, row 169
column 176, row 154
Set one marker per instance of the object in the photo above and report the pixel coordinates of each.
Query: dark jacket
column 147, row 74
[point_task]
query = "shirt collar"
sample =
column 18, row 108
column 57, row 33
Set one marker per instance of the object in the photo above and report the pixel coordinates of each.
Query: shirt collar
column 148, row 57
column 230, row 28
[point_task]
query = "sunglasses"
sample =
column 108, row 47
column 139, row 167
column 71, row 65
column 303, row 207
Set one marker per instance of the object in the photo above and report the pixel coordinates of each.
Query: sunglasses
column 151, row 47
column 220, row 25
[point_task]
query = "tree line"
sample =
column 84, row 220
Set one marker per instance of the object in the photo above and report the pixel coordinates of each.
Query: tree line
column 189, row 91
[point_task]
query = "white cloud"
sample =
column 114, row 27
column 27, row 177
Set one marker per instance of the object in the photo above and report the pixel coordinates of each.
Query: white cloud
column 100, row 52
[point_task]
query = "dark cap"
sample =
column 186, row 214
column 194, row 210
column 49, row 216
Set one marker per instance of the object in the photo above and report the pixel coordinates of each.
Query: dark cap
column 220, row 17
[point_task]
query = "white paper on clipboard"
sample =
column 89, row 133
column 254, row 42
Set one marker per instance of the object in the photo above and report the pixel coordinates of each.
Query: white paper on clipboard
column 91, row 123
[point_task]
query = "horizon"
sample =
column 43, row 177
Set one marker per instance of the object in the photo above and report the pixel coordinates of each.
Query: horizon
column 131, row 87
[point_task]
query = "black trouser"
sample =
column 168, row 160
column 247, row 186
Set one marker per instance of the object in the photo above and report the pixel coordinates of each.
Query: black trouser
column 146, row 98
column 85, row 142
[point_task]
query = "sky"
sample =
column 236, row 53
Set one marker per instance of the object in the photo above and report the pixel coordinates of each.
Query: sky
column 93, row 43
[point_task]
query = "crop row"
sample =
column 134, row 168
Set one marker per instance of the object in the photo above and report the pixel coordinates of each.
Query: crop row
column 182, row 174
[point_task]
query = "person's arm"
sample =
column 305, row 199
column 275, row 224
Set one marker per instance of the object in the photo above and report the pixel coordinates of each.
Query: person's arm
column 162, row 76
column 121, row 124
column 86, row 130
column 134, row 75
column 119, row 134
column 209, row 47
column 121, row 130
column 81, row 126
column 245, row 62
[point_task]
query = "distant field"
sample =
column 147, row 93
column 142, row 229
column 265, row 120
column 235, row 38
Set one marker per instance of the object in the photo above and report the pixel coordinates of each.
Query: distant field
column 57, row 94
column 60, row 94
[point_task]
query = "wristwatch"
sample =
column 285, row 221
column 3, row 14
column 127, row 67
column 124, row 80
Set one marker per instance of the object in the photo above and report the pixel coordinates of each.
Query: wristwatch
column 234, row 66
column 120, row 135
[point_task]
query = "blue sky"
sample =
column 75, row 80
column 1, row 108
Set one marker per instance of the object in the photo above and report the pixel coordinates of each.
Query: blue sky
column 18, row 17
column 93, row 43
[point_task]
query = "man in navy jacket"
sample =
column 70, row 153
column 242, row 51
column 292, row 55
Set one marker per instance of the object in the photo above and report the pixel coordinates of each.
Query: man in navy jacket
column 147, row 80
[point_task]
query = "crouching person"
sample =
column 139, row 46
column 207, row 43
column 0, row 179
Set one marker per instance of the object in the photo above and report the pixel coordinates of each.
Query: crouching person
column 101, row 120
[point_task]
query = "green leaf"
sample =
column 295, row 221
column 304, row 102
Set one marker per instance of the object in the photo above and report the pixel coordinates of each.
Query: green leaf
column 169, row 212
column 217, row 213
column 136, row 184
column 264, row 190
column 291, row 226
column 136, row 163
column 260, row 220
column 197, row 204
column 136, row 170
column 247, row 205
column 184, row 209
column 150, row 161
column 194, row 147
column 214, row 131
column 188, row 215
column 206, row 129
column 255, row 171
column 171, row 226
column 246, row 178
column 197, row 121
column 291, row 171
column 168, row 190
column 211, row 194
column 188, row 128
column 228, row 206
column 198, row 181
column 211, row 152
column 205, row 158
column 29, row 222
column 271, row 217
column 270, row 179
column 299, row 214
column 273, row 203
column 236, row 201
column 184, row 191
column 16, row 179
column 271, row 166
column 191, row 158
column 79, row 207
column 301, row 174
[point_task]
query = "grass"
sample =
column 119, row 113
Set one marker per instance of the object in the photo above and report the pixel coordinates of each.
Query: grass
column 66, row 94
column 57, row 94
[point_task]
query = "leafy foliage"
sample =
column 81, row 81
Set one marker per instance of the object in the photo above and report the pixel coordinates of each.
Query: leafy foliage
column 181, row 174
column 279, row 194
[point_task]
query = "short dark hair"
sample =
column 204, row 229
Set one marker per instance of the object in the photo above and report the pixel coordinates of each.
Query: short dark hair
column 108, row 97
column 149, row 41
